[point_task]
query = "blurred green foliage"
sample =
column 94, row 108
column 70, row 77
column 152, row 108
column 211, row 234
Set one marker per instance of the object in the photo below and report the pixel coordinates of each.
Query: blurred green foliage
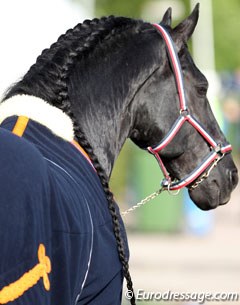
column 132, row 8
column 226, row 19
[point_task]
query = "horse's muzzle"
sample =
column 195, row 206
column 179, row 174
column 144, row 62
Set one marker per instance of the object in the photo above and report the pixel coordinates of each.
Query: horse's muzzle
column 216, row 190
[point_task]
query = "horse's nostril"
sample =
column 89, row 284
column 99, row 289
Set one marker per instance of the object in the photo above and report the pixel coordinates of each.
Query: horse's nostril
column 233, row 176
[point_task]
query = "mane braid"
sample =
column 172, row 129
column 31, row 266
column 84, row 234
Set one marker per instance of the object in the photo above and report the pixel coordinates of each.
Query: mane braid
column 80, row 137
column 48, row 79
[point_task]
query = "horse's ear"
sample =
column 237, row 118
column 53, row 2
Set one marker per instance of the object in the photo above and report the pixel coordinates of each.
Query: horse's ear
column 184, row 30
column 167, row 17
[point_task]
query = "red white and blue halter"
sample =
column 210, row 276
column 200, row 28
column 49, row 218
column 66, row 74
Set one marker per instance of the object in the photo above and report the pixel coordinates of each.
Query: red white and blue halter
column 218, row 150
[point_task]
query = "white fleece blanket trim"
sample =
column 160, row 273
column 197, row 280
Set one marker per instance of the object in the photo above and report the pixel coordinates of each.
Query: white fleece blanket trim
column 40, row 111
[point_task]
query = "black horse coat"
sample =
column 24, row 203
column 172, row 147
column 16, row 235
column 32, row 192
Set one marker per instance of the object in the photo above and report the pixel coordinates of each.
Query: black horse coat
column 56, row 234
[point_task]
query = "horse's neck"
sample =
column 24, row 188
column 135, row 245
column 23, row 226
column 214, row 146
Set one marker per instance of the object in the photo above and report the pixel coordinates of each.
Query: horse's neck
column 106, row 127
column 105, row 112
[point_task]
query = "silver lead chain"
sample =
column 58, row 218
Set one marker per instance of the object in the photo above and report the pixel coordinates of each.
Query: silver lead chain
column 144, row 201
column 207, row 173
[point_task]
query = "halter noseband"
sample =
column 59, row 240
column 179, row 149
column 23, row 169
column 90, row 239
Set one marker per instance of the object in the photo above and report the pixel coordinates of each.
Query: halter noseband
column 218, row 150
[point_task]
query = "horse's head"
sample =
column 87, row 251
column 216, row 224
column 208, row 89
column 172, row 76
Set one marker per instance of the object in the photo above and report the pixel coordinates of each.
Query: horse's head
column 192, row 153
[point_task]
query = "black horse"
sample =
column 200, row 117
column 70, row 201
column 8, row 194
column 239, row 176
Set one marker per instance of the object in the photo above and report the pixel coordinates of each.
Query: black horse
column 113, row 78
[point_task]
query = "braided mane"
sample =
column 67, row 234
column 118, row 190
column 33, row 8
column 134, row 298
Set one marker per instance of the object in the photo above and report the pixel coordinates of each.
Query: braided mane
column 49, row 78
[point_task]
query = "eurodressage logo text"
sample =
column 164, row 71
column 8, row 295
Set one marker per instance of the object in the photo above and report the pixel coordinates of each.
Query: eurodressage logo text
column 200, row 297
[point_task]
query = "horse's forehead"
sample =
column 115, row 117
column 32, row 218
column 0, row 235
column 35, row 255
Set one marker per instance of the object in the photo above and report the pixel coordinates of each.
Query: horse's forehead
column 190, row 70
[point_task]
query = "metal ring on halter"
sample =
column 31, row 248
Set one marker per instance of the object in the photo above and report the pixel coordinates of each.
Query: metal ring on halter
column 172, row 192
column 184, row 112
column 166, row 184
column 218, row 149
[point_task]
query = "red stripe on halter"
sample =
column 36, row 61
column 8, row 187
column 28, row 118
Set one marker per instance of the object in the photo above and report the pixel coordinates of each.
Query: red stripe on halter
column 203, row 132
column 195, row 174
column 226, row 149
column 175, row 64
column 178, row 124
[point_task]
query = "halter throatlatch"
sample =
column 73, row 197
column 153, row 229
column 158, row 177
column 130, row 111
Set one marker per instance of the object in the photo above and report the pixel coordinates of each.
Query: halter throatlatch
column 218, row 150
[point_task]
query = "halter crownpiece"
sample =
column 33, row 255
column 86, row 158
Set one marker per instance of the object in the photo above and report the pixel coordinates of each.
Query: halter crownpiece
column 218, row 150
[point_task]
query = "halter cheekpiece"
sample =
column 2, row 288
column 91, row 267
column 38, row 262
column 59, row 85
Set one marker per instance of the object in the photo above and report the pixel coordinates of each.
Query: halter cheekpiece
column 218, row 150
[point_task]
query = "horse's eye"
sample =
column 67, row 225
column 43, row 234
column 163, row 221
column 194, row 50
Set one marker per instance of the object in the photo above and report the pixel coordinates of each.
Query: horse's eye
column 202, row 91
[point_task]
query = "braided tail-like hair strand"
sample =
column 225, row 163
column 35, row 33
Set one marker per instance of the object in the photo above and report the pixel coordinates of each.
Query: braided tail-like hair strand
column 98, row 29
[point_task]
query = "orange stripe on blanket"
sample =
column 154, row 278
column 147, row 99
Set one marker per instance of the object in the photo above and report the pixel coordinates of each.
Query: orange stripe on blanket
column 20, row 125
column 75, row 143
column 29, row 279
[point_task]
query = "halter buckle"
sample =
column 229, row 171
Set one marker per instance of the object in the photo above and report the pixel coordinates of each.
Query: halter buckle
column 218, row 149
column 184, row 112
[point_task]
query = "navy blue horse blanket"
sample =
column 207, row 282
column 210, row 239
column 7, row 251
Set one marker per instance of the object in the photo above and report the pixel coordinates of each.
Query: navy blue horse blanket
column 57, row 245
